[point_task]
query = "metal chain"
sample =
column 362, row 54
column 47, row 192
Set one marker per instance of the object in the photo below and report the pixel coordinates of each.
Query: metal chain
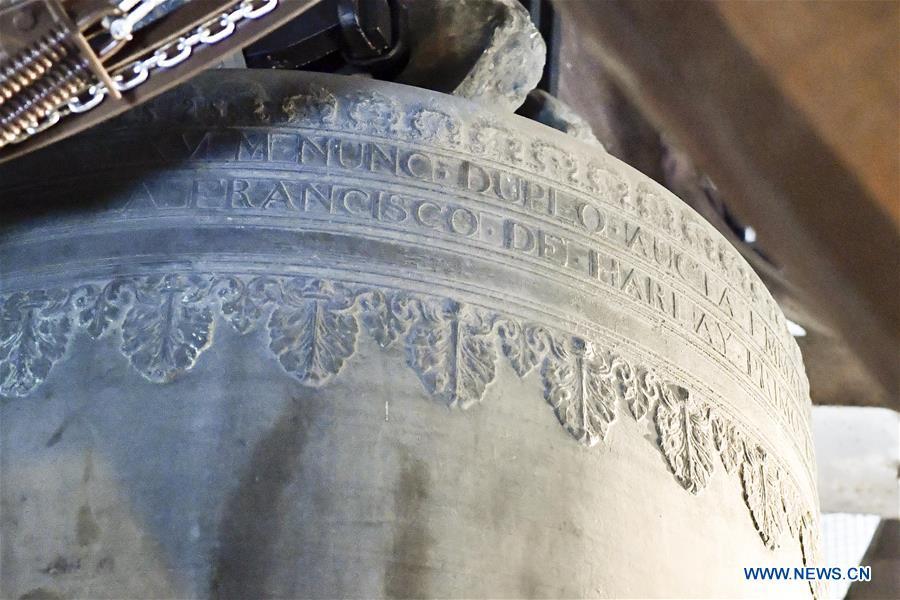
column 172, row 54
column 122, row 28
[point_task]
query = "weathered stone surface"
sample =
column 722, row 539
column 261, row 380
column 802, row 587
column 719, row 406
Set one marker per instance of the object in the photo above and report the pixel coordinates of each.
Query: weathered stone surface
column 483, row 50
column 553, row 112
column 290, row 335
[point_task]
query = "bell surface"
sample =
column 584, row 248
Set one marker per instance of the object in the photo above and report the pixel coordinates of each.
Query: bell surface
column 289, row 335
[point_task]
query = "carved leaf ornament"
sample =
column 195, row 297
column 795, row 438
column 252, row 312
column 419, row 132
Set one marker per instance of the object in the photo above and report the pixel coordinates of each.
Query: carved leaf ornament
column 578, row 387
column 684, row 433
column 34, row 333
column 168, row 326
column 452, row 350
column 523, row 345
column 762, row 491
column 313, row 325
column 312, row 332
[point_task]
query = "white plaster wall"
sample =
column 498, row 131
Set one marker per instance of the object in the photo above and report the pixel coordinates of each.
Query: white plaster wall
column 858, row 458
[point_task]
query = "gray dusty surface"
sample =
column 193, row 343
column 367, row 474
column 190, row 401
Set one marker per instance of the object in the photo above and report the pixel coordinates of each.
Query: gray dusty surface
column 281, row 335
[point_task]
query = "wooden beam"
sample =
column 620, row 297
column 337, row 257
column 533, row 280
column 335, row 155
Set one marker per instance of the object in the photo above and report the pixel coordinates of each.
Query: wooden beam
column 834, row 236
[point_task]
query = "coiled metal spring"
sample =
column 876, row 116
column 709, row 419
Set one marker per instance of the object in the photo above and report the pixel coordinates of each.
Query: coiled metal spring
column 60, row 83
column 29, row 65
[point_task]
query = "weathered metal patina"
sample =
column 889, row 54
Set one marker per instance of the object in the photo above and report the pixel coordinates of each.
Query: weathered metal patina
column 289, row 335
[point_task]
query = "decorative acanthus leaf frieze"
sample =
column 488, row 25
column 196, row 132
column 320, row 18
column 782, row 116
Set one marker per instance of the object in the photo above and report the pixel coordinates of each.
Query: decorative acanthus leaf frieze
column 312, row 331
column 166, row 322
column 168, row 326
column 99, row 309
column 684, row 433
column 580, row 388
column 387, row 316
column 645, row 393
column 35, row 328
column 809, row 545
column 728, row 443
column 243, row 304
column 452, row 350
column 762, row 491
column 791, row 507
column 524, row 345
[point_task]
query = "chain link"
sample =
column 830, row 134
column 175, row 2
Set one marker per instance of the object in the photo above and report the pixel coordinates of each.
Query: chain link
column 123, row 27
column 174, row 53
